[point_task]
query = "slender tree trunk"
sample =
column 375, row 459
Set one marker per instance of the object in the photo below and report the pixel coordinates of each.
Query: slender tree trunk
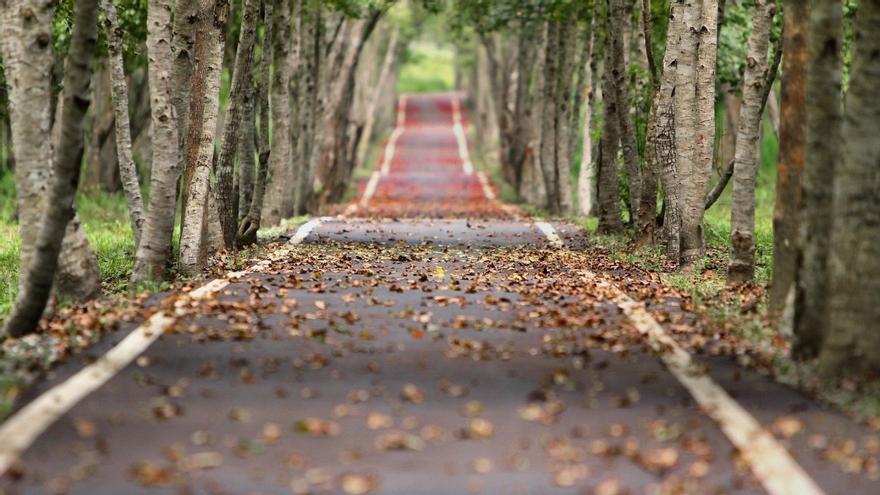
column 154, row 250
column 127, row 168
column 238, row 97
column 609, row 196
column 582, row 93
column 534, row 190
column 250, row 225
column 548, row 118
column 101, row 169
column 620, row 9
column 37, row 283
column 246, row 163
column 686, row 133
column 204, row 105
column 852, row 345
column 280, row 195
column 335, row 167
column 308, row 99
column 562, row 166
column 824, row 121
column 741, row 267
column 587, row 191
column 789, row 170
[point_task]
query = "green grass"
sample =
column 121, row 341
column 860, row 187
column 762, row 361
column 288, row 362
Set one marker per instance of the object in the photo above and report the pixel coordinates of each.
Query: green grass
column 105, row 219
column 428, row 68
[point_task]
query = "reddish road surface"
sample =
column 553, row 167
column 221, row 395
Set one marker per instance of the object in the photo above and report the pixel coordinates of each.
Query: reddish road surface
column 429, row 342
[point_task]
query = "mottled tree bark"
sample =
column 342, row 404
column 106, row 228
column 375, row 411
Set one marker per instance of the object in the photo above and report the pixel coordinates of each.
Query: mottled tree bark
column 587, row 174
column 238, row 94
column 246, row 163
column 852, row 344
column 686, row 135
column 608, row 193
column 36, row 285
column 790, row 167
column 154, row 250
column 548, row 117
column 620, row 9
column 127, row 168
column 562, row 163
column 280, row 195
column 310, row 99
column 824, row 121
column 741, row 267
column 250, row 224
column 204, row 106
column 101, row 167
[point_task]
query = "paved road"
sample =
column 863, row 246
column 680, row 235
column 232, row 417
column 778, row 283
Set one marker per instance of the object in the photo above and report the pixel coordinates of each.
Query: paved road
column 433, row 341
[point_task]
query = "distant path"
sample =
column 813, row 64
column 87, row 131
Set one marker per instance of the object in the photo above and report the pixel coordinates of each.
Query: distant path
column 432, row 340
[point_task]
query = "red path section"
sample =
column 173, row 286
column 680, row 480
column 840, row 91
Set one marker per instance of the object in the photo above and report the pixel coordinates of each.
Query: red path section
column 424, row 169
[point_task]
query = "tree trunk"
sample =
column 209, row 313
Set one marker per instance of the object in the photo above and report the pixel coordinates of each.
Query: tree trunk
column 336, row 166
column 620, row 9
column 533, row 188
column 154, row 250
column 609, row 196
column 583, row 93
column 308, row 99
column 790, row 167
column 101, row 168
column 239, row 94
column 246, row 163
column 587, row 191
column 37, row 283
column 29, row 63
column 250, row 225
column 645, row 221
column 562, row 147
column 852, row 345
column 127, row 169
column 686, row 136
column 548, row 118
column 280, row 195
column 741, row 267
column 204, row 105
column 824, row 121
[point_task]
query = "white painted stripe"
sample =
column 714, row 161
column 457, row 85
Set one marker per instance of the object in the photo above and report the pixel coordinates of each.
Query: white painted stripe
column 25, row 426
column 769, row 461
column 370, row 189
column 390, row 149
column 20, row 431
column 487, row 188
column 305, row 229
column 460, row 137
column 550, row 233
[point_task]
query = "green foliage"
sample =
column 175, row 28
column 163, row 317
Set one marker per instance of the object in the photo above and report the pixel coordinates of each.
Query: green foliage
column 427, row 67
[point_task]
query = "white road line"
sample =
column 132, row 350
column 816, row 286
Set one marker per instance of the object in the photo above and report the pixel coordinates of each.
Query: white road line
column 20, row 431
column 550, row 233
column 487, row 188
column 458, row 130
column 769, row 461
